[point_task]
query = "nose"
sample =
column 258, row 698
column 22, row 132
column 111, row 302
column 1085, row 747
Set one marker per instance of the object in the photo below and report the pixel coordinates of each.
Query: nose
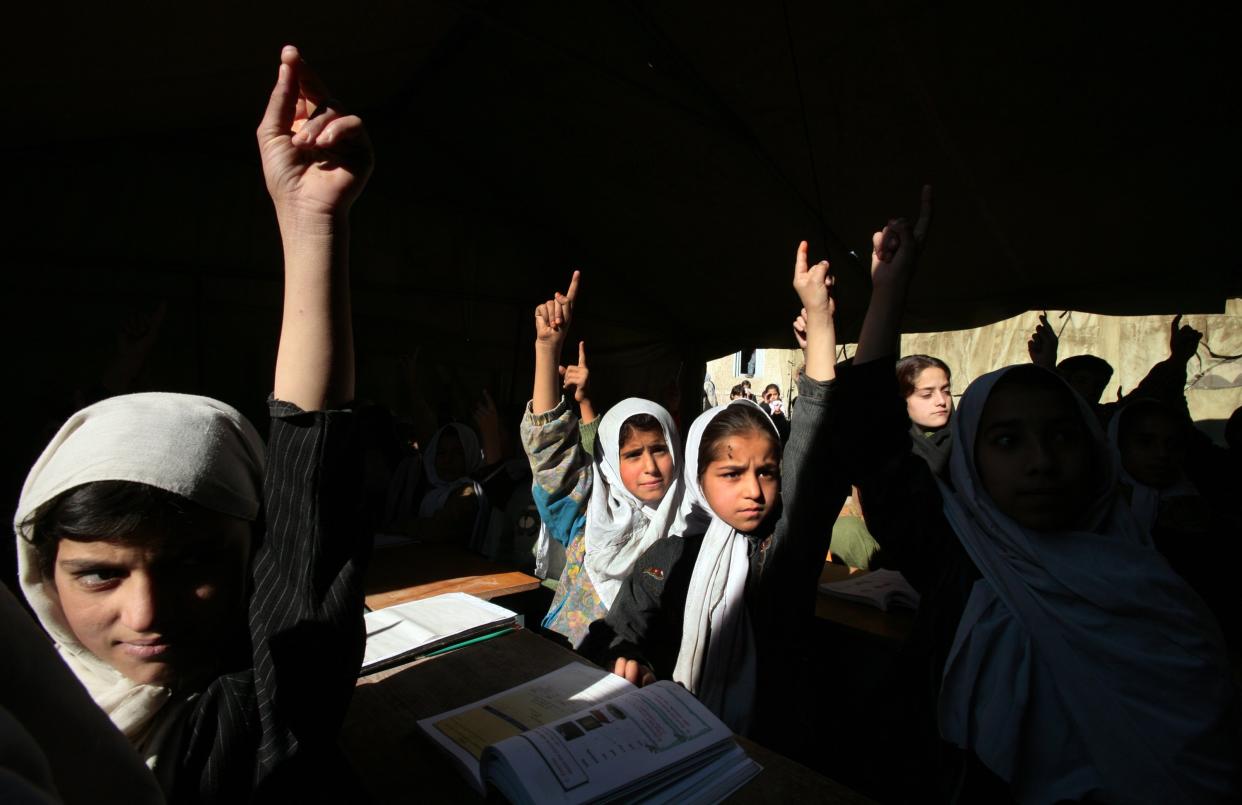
column 1041, row 459
column 751, row 487
column 649, row 464
column 943, row 399
column 140, row 607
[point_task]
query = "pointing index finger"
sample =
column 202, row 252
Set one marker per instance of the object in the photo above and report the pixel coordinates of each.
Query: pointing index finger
column 572, row 293
column 800, row 266
column 925, row 215
column 582, row 353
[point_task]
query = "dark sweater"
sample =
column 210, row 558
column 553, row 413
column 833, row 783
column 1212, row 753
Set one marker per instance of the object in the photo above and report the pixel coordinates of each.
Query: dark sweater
column 786, row 558
column 904, row 510
column 267, row 729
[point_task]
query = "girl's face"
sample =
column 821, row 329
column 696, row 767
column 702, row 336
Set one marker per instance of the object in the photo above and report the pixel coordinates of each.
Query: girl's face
column 450, row 456
column 931, row 403
column 157, row 609
column 1034, row 456
column 743, row 482
column 646, row 465
column 1153, row 448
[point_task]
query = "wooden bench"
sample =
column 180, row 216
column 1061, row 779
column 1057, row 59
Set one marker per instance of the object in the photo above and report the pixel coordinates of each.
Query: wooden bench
column 411, row 572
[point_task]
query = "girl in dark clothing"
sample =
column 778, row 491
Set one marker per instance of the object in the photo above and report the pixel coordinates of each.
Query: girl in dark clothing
column 209, row 596
column 711, row 606
column 1057, row 655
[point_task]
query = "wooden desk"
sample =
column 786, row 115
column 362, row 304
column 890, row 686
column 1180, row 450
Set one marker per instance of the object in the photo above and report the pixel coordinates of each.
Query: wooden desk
column 397, row 763
column 421, row 570
column 893, row 625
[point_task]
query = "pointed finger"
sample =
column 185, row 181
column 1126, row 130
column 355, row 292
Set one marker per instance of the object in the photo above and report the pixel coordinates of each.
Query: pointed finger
column 1176, row 321
column 572, row 293
column 282, row 105
column 582, row 353
column 877, row 242
column 800, row 266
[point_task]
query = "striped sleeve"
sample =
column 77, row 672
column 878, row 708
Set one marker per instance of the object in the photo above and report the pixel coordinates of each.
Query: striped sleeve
column 270, row 730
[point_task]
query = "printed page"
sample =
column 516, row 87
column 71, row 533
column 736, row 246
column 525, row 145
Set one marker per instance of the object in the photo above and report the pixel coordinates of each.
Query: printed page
column 601, row 750
column 403, row 629
column 467, row 731
column 879, row 588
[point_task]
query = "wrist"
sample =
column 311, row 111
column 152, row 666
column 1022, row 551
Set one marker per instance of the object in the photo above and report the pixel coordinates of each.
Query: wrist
column 549, row 349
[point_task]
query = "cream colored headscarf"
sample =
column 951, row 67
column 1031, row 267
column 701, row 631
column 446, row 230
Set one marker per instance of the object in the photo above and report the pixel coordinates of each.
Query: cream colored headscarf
column 195, row 447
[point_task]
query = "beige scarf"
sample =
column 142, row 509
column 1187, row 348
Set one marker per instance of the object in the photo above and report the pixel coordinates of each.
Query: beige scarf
column 195, row 447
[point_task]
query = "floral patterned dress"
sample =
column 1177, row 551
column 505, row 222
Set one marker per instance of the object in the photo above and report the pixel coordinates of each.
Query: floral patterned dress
column 563, row 475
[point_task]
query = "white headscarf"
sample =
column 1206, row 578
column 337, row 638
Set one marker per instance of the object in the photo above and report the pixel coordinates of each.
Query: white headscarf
column 716, row 661
column 1144, row 499
column 619, row 526
column 1082, row 664
column 195, row 447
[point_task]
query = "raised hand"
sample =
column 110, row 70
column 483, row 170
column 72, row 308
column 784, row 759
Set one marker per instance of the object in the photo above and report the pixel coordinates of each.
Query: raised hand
column 814, row 287
column 1042, row 347
column 316, row 158
column 799, row 330
column 553, row 317
column 487, row 423
column 897, row 245
column 577, row 377
column 1183, row 340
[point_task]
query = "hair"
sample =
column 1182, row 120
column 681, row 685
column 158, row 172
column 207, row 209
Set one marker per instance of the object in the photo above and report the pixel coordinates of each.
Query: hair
column 645, row 423
column 910, row 367
column 772, row 386
column 103, row 510
column 1086, row 363
column 734, row 420
column 737, row 391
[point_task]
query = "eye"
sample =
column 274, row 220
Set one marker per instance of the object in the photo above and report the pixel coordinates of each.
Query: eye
column 98, row 578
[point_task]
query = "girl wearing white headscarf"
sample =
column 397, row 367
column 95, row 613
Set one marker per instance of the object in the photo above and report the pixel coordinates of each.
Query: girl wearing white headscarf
column 207, row 596
column 713, row 609
column 604, row 510
column 1055, row 649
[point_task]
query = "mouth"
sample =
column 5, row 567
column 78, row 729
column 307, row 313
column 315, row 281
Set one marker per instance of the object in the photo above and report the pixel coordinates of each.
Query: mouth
column 750, row 513
column 146, row 649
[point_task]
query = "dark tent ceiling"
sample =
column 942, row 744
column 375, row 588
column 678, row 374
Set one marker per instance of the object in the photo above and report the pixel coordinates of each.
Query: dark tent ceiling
column 1084, row 157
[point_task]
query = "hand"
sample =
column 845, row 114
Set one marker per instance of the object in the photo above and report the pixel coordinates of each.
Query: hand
column 1183, row 340
column 799, row 328
column 138, row 332
column 633, row 673
column 577, row 377
column 814, row 287
column 552, row 318
column 895, row 247
column 486, row 418
column 315, row 158
column 1043, row 344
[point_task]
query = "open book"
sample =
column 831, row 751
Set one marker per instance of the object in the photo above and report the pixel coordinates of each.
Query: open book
column 879, row 588
column 581, row 734
column 401, row 633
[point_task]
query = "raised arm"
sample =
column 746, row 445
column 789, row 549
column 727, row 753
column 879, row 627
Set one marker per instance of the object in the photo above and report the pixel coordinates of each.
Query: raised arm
column 814, row 287
column 894, row 250
column 576, row 378
column 316, row 160
column 552, row 320
column 1042, row 347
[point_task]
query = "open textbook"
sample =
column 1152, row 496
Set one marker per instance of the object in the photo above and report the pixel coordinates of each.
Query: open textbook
column 879, row 588
column 581, row 734
column 401, row 633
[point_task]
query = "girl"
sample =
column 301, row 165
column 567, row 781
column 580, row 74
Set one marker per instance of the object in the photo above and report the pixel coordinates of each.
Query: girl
column 606, row 511
column 1056, row 654
column 209, row 596
column 924, row 383
column 711, row 610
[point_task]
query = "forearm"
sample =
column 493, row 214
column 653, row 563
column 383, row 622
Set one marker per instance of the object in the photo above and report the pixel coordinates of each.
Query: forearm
column 547, row 392
column 821, row 346
column 586, row 411
column 881, row 329
column 315, row 360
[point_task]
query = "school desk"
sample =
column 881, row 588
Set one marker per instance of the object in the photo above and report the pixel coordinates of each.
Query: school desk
column 397, row 763
column 894, row 625
column 420, row 570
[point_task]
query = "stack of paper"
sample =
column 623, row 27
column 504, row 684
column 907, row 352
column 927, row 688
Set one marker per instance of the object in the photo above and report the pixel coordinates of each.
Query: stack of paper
column 401, row 633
